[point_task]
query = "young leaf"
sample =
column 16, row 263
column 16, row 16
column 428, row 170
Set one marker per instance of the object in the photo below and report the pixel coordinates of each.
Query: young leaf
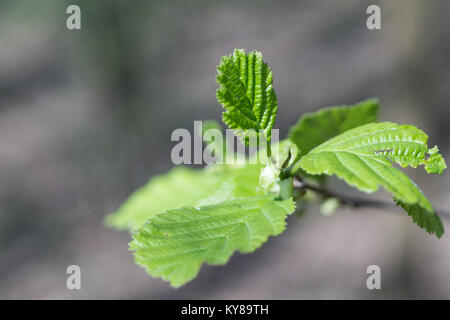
column 360, row 157
column 273, row 177
column 216, row 148
column 161, row 193
column 210, row 124
column 182, row 187
column 235, row 181
column 173, row 245
column 435, row 163
column 246, row 93
column 315, row 128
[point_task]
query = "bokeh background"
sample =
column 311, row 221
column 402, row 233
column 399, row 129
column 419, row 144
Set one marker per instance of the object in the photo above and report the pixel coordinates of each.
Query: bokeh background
column 86, row 118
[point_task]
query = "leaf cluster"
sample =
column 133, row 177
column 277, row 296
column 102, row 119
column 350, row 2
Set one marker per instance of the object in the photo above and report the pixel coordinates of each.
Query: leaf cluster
column 189, row 217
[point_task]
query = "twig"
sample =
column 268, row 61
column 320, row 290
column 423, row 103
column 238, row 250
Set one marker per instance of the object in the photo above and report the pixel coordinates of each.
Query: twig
column 350, row 201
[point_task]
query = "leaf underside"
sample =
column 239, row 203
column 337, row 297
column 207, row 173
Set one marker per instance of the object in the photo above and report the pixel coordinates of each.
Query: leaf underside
column 246, row 93
column 361, row 157
column 173, row 245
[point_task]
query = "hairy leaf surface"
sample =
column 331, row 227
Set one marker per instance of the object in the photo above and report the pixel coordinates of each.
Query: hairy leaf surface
column 246, row 93
column 173, row 245
column 361, row 157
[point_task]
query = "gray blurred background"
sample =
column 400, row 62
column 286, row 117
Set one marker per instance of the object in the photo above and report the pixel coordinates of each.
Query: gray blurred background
column 86, row 118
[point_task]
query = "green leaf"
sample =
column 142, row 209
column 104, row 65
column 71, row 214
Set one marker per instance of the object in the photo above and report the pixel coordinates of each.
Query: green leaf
column 246, row 93
column 422, row 217
column 183, row 186
column 210, row 124
column 361, row 157
column 216, row 148
column 161, row 193
column 435, row 163
column 315, row 128
column 234, row 181
column 173, row 245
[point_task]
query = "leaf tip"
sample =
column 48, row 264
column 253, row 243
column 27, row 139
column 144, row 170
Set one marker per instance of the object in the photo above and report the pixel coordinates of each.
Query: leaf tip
column 434, row 161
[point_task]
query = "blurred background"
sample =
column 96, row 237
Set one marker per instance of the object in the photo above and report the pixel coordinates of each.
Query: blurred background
column 86, row 117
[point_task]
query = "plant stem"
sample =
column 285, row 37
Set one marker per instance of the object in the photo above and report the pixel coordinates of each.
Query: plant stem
column 343, row 199
column 349, row 200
